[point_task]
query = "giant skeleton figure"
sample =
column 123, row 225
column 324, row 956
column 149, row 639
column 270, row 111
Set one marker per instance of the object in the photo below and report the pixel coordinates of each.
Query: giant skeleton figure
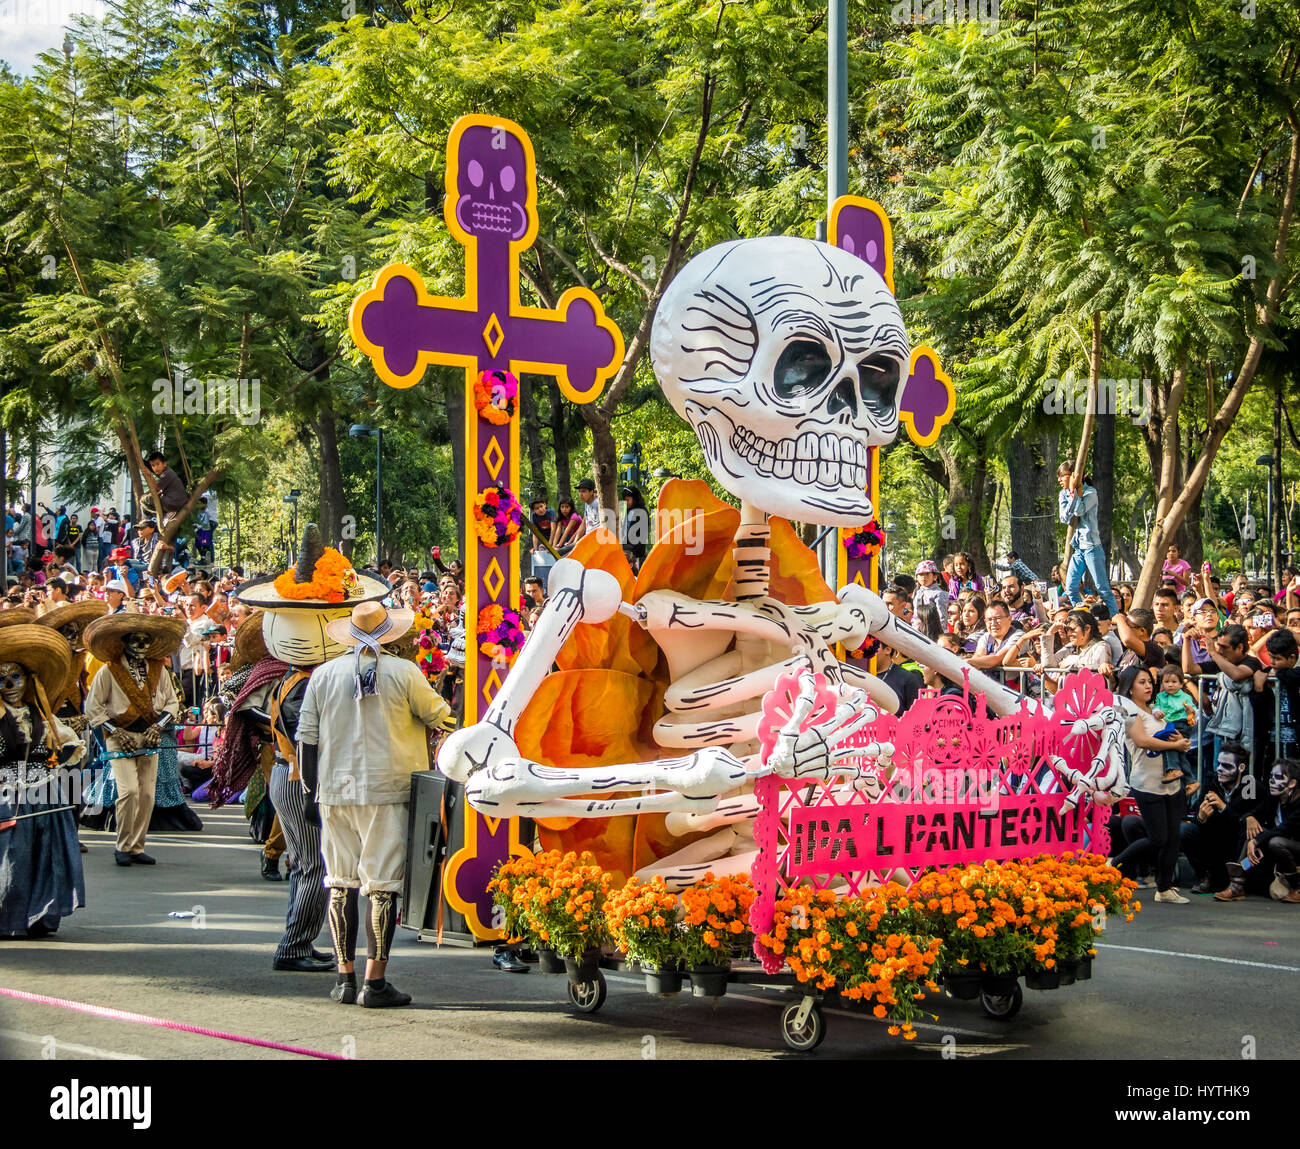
column 787, row 357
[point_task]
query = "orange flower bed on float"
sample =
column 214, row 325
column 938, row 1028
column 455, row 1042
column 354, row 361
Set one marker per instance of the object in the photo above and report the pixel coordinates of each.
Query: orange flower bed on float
column 883, row 950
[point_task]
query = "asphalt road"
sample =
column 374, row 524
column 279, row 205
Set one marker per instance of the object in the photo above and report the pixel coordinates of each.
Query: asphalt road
column 1201, row 981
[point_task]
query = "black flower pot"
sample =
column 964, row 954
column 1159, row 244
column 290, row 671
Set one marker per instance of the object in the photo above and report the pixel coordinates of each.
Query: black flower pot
column 1084, row 970
column 962, row 985
column 1043, row 979
column 548, row 961
column 709, row 980
column 1068, row 968
column 998, row 984
column 584, row 969
column 662, row 979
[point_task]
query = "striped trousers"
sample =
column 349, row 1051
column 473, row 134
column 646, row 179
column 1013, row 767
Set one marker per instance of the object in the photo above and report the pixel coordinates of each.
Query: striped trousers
column 308, row 897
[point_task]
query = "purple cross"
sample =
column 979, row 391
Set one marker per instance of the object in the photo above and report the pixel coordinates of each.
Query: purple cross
column 491, row 209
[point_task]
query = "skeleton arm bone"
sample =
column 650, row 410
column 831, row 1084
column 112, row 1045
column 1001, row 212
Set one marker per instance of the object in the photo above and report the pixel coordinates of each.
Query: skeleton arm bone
column 577, row 595
column 517, row 787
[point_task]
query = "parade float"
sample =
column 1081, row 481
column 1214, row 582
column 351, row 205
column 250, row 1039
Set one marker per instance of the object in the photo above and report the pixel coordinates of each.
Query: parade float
column 719, row 785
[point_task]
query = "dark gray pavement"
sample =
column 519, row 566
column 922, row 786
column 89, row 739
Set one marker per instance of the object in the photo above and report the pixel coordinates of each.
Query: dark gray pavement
column 1201, row 981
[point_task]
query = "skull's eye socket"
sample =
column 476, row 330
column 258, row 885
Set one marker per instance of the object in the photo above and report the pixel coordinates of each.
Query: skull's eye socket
column 879, row 376
column 803, row 367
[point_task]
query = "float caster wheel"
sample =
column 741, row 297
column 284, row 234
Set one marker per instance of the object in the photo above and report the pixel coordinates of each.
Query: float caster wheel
column 802, row 1025
column 1002, row 1007
column 588, row 996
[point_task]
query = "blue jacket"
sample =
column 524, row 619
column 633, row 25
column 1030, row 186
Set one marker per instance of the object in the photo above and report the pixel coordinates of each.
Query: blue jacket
column 1087, row 534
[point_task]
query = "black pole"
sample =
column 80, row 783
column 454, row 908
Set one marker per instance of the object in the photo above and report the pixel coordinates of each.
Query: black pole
column 379, row 495
column 32, row 550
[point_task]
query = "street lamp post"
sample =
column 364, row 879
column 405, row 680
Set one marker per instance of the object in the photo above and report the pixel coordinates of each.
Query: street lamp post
column 837, row 102
column 361, row 431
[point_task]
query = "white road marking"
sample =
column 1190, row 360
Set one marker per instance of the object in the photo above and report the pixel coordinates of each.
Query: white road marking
column 60, row 1046
column 1204, row 957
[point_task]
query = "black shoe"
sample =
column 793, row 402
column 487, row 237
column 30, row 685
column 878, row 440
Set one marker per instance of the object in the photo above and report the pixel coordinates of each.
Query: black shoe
column 143, row 859
column 83, row 847
column 323, row 955
column 345, row 993
column 382, row 998
column 121, row 857
column 1204, row 886
column 509, row 961
column 271, row 869
column 303, row 965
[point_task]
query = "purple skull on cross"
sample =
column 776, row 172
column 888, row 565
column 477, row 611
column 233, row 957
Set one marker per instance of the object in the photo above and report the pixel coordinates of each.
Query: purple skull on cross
column 491, row 183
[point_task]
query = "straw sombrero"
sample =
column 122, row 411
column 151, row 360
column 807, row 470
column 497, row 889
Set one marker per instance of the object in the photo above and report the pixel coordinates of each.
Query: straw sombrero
column 250, row 642
column 79, row 614
column 345, row 586
column 104, row 636
column 369, row 616
column 44, row 652
column 17, row 615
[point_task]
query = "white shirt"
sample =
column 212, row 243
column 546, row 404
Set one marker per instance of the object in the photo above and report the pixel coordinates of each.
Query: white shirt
column 368, row 747
column 591, row 515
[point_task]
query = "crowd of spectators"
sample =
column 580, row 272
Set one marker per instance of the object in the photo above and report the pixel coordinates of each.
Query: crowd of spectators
column 1208, row 675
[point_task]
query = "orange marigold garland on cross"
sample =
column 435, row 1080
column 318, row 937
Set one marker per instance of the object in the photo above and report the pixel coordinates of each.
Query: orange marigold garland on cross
column 329, row 582
column 495, row 393
column 498, row 516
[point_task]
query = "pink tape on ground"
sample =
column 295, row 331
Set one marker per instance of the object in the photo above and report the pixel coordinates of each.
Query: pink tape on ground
column 163, row 1023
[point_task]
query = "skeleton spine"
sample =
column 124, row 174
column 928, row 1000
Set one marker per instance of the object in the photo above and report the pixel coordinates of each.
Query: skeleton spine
column 752, row 554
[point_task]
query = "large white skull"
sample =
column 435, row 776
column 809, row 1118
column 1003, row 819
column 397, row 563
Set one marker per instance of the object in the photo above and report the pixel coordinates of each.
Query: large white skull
column 787, row 356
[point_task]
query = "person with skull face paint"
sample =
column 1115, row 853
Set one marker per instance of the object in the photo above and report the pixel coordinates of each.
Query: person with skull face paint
column 1272, row 841
column 1213, row 837
column 41, row 878
column 133, row 702
column 71, row 620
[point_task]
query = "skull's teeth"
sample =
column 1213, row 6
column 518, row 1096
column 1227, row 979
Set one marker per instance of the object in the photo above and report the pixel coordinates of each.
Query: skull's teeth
column 828, row 460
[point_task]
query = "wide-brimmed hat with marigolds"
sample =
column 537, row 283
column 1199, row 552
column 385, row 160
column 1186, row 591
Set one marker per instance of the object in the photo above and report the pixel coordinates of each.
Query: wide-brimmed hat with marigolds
column 322, row 578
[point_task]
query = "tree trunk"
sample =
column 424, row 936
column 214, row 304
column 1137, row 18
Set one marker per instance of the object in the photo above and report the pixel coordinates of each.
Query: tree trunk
column 605, row 458
column 1103, row 474
column 331, row 481
column 962, row 518
column 532, row 435
column 1032, row 478
column 559, row 443
column 974, row 540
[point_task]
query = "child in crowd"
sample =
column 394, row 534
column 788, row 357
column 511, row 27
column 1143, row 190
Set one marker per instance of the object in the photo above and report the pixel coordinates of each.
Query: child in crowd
column 1177, row 706
column 929, row 589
